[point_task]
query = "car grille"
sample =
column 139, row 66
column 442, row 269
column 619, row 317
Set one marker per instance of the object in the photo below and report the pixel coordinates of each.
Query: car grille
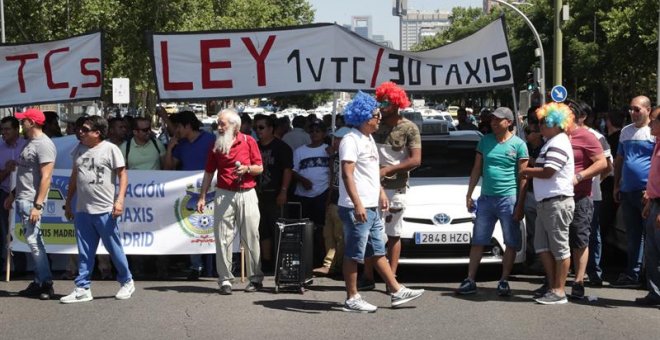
column 427, row 251
column 430, row 222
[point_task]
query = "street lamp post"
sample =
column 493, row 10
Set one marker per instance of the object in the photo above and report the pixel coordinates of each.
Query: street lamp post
column 538, row 42
column 2, row 18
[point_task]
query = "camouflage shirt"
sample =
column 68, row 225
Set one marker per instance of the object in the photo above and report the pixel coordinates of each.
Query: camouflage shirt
column 394, row 144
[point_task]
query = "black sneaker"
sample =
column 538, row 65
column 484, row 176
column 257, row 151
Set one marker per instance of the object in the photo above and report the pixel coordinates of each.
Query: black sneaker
column 625, row 281
column 32, row 290
column 577, row 291
column 47, row 291
column 194, row 275
column 647, row 301
column 253, row 287
column 541, row 291
column 363, row 284
column 225, row 290
column 467, row 287
column 503, row 288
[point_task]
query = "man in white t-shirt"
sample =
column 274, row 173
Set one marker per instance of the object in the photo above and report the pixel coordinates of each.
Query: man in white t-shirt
column 553, row 190
column 361, row 199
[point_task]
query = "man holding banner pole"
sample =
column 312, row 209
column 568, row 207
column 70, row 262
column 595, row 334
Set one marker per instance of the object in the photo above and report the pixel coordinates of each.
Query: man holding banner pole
column 237, row 160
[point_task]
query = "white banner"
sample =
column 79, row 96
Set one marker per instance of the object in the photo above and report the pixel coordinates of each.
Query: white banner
column 159, row 216
column 320, row 57
column 53, row 71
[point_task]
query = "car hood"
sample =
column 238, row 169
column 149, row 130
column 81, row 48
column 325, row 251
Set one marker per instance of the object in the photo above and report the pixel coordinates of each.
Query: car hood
column 430, row 196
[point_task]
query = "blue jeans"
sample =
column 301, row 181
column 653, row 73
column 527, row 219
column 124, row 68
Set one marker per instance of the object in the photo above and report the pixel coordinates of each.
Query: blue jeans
column 90, row 228
column 653, row 253
column 490, row 209
column 631, row 203
column 35, row 241
column 595, row 247
column 362, row 240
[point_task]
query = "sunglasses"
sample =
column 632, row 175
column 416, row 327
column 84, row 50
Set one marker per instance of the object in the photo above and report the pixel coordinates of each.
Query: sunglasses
column 634, row 109
column 384, row 104
column 260, row 127
column 85, row 129
column 376, row 116
column 147, row 129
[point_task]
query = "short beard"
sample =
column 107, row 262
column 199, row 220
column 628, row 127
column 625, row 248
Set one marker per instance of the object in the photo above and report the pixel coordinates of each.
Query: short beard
column 224, row 141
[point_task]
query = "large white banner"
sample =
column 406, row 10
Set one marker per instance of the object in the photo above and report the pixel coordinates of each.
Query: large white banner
column 159, row 216
column 53, row 71
column 320, row 57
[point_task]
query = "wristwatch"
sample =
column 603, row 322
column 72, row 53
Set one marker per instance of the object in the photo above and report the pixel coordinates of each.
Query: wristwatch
column 578, row 177
column 38, row 206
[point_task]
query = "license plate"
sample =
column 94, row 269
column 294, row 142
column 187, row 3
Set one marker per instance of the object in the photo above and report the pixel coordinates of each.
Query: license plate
column 443, row 238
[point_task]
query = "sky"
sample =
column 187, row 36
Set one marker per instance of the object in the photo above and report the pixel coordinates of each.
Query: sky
column 340, row 11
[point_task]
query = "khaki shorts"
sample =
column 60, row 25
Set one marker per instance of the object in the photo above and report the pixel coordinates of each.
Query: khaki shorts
column 393, row 217
column 553, row 216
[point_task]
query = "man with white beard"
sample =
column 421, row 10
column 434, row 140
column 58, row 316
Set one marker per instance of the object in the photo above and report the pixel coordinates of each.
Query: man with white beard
column 237, row 160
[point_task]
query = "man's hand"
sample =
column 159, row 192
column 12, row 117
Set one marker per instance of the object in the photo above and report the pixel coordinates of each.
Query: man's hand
column 35, row 215
column 384, row 201
column 9, row 202
column 307, row 184
column 280, row 200
column 172, row 143
column 519, row 212
column 616, row 194
column 201, row 204
column 360, row 214
column 117, row 209
column 68, row 212
column 469, row 203
column 10, row 165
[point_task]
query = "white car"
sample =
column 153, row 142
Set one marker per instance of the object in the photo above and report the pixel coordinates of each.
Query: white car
column 437, row 227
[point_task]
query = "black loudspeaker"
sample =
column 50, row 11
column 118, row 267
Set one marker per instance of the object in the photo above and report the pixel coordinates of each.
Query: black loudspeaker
column 295, row 250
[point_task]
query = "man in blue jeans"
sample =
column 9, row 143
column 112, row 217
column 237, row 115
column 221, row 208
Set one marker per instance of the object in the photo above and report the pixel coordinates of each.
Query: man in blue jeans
column 361, row 198
column 631, row 171
column 500, row 155
column 33, row 174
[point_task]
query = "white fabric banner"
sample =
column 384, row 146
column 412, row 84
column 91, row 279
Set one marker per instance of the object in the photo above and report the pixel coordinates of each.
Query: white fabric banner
column 319, row 57
column 159, row 216
column 53, row 71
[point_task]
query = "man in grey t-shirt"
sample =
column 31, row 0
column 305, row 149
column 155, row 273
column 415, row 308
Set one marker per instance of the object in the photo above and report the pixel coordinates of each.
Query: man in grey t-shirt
column 34, row 166
column 97, row 164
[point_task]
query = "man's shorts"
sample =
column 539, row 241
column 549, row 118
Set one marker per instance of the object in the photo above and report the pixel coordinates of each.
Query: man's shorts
column 580, row 228
column 362, row 240
column 553, row 216
column 490, row 210
column 394, row 216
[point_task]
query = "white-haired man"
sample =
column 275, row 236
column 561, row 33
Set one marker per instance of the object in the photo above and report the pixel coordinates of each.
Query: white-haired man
column 236, row 158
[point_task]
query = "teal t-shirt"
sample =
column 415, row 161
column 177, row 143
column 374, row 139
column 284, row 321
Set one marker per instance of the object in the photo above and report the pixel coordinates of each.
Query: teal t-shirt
column 500, row 164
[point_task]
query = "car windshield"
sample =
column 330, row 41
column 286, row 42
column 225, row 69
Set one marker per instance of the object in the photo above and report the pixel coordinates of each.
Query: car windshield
column 446, row 158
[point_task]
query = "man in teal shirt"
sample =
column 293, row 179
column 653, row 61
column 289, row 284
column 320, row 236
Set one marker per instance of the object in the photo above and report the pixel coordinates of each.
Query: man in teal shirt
column 499, row 157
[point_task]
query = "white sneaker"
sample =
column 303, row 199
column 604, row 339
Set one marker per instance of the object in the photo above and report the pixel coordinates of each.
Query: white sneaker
column 125, row 291
column 78, row 295
column 405, row 295
column 357, row 305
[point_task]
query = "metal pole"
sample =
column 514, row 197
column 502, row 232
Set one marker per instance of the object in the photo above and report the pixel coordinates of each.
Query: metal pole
column 2, row 18
column 538, row 43
column 558, row 48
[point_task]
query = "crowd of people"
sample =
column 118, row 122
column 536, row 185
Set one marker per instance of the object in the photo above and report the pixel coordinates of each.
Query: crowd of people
column 563, row 175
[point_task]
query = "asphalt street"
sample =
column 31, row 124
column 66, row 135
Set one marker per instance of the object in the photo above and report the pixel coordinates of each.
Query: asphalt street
column 183, row 309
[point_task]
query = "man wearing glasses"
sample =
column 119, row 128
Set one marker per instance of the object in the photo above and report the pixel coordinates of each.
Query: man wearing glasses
column 400, row 151
column 631, row 171
column 143, row 151
column 33, row 174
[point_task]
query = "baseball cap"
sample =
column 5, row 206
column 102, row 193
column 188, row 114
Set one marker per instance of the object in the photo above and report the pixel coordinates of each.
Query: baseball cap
column 503, row 113
column 341, row 132
column 34, row 115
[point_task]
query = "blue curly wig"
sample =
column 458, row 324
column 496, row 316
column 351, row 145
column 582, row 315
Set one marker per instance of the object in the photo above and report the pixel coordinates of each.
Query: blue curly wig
column 360, row 109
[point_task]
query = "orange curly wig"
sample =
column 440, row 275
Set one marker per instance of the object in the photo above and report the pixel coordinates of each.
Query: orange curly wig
column 393, row 94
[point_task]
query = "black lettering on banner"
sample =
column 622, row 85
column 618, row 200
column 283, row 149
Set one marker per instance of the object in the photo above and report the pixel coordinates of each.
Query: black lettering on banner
column 338, row 62
column 398, row 68
column 355, row 72
column 487, row 69
column 295, row 54
column 412, row 79
column 473, row 73
column 453, row 69
column 433, row 69
column 317, row 77
column 505, row 68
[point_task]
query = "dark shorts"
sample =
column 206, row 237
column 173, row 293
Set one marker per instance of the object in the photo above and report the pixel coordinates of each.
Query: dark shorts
column 580, row 228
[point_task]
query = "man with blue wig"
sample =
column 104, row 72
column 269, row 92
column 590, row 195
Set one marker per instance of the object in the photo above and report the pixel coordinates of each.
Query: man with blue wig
column 361, row 200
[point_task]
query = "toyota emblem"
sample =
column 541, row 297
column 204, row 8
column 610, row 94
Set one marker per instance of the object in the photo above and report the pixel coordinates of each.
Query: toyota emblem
column 441, row 218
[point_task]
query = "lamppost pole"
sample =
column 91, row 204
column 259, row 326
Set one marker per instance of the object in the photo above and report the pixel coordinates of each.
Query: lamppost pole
column 538, row 43
column 2, row 18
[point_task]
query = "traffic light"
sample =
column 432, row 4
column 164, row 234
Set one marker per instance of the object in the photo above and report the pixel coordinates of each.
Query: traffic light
column 531, row 82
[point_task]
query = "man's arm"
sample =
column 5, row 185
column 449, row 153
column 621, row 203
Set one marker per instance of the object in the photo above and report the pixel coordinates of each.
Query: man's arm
column 411, row 162
column 170, row 161
column 474, row 178
column 206, row 183
column 618, row 166
column 519, row 213
column 599, row 164
column 118, row 207
column 46, row 170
